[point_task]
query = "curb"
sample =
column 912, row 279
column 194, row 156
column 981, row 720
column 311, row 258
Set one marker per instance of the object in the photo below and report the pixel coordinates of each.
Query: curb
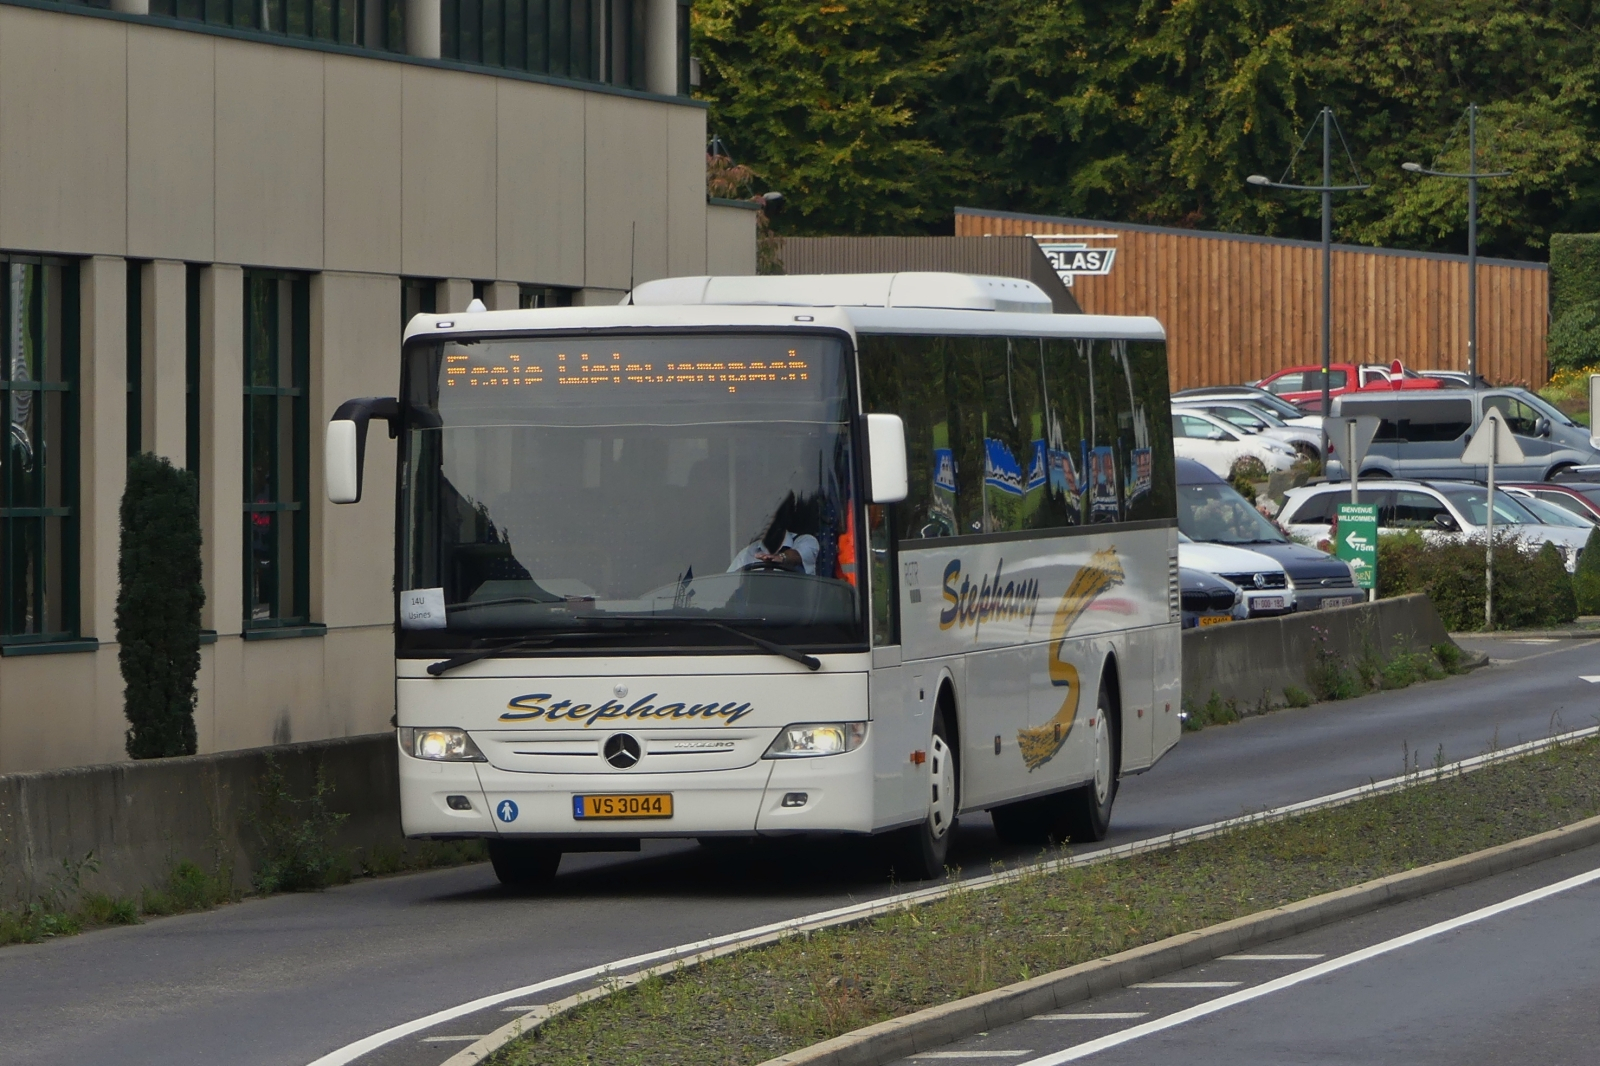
column 1531, row 634
column 936, row 1026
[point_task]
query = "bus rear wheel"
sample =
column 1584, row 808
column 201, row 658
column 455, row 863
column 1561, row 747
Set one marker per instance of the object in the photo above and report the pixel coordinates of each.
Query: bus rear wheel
column 523, row 863
column 923, row 848
column 1086, row 811
column 1080, row 815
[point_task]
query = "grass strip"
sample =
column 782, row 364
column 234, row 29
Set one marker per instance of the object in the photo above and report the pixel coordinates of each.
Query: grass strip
column 751, row 1006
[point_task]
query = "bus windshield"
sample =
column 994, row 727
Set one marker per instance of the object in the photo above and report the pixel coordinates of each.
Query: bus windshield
column 660, row 490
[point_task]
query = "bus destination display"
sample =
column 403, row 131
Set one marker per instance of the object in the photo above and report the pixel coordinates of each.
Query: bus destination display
column 473, row 370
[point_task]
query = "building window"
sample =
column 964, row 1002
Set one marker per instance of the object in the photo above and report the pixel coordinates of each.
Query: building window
column 376, row 24
column 589, row 40
column 191, row 367
column 529, row 296
column 277, row 355
column 418, row 296
column 39, row 474
column 135, row 357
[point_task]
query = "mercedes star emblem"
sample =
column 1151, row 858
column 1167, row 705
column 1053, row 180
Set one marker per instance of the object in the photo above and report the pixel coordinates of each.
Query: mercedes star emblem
column 622, row 751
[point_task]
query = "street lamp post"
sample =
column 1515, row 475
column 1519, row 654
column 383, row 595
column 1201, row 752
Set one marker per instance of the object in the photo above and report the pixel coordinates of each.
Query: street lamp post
column 1471, row 177
column 1327, row 189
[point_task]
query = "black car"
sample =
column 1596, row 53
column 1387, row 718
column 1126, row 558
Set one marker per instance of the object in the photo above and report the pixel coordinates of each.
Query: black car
column 1210, row 598
column 1211, row 510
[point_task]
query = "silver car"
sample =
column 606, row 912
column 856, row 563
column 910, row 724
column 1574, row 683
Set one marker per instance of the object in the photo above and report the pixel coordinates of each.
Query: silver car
column 1422, row 434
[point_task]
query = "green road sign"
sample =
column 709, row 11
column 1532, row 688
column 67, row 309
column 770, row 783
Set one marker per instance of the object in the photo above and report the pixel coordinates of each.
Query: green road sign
column 1357, row 542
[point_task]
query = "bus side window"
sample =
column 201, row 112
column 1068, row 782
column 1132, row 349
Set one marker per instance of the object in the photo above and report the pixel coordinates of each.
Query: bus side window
column 885, row 631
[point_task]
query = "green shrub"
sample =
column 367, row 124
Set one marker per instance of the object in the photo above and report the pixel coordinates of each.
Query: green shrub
column 1295, row 696
column 1586, row 582
column 158, row 607
column 1532, row 587
column 1330, row 677
column 1449, row 656
column 298, row 851
column 1244, row 473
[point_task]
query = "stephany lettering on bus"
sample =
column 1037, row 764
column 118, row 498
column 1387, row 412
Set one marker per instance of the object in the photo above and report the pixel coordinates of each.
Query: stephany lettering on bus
column 535, row 707
column 992, row 598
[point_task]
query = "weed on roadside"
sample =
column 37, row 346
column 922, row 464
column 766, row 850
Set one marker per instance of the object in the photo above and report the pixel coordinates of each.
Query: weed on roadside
column 298, row 851
column 1214, row 711
column 1295, row 696
column 1328, row 675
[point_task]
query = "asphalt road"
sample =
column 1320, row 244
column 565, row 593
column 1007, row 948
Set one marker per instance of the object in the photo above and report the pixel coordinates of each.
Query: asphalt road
column 1518, row 986
column 285, row 980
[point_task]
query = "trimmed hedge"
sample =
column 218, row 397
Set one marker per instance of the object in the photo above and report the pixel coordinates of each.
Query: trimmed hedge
column 1532, row 587
column 1574, row 300
column 158, row 607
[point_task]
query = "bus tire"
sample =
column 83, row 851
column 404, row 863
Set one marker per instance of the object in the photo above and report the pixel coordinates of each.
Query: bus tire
column 523, row 863
column 1086, row 811
column 923, row 848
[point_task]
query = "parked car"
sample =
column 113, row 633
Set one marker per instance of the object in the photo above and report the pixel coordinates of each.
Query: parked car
column 1209, row 599
column 1579, row 497
column 1301, row 385
column 1549, row 513
column 1209, row 440
column 1423, row 435
column 1266, row 585
column 1211, row 511
column 1441, row 511
column 1252, row 419
column 1457, row 377
column 1255, row 397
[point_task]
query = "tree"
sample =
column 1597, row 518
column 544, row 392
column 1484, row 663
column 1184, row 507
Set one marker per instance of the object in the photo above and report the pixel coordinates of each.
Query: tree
column 158, row 607
column 879, row 116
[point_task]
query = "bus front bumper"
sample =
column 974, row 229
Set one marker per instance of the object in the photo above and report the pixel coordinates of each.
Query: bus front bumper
column 831, row 793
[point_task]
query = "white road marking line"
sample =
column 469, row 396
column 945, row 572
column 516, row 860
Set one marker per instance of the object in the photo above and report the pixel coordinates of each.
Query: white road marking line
column 1271, row 958
column 972, row 1054
column 1109, row 1016
column 1593, row 679
column 1310, row 973
column 523, row 1007
column 1187, row 984
column 855, row 911
column 449, row 1039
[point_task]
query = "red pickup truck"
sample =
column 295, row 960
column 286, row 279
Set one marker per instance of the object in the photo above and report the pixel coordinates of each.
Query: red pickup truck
column 1302, row 385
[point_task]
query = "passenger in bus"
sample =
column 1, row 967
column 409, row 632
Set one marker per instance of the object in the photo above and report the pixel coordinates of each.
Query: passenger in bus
column 785, row 545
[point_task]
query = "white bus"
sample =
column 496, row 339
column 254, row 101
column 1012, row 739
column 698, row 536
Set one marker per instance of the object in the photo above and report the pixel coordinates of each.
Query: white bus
column 777, row 555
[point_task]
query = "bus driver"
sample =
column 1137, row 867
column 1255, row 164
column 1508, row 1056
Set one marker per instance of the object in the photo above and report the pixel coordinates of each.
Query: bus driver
column 780, row 548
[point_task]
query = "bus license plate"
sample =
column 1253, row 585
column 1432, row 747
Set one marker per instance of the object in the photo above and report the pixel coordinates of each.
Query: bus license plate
column 1215, row 619
column 645, row 805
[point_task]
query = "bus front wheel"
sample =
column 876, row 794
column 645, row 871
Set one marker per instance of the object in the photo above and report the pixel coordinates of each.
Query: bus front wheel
column 925, row 847
column 523, row 863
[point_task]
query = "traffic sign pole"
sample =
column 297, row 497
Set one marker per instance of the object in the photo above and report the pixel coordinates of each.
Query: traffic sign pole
column 1488, row 552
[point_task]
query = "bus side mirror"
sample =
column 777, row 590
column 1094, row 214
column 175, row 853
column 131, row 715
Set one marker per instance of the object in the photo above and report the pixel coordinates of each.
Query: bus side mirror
column 345, row 445
column 886, row 458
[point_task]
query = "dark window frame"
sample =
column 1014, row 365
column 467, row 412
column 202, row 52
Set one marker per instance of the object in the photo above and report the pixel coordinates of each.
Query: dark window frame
column 14, row 612
column 295, row 503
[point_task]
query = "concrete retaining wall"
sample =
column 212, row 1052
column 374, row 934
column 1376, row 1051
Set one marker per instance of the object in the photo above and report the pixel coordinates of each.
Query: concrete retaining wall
column 1251, row 663
column 140, row 818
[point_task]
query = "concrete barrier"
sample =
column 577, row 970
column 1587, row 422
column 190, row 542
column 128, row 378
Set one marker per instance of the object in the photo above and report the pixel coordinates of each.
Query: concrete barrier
column 1251, row 663
column 140, row 818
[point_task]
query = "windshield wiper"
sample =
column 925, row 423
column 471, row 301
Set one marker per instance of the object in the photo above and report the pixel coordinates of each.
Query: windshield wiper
column 463, row 658
column 810, row 662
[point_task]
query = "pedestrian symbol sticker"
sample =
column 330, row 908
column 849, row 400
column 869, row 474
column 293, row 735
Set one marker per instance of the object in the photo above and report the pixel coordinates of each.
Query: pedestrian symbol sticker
column 507, row 811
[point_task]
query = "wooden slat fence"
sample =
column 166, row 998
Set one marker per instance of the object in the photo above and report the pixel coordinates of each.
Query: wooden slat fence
column 1237, row 308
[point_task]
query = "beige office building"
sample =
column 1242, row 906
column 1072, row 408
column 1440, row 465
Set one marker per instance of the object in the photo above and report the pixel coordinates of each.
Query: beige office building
column 214, row 217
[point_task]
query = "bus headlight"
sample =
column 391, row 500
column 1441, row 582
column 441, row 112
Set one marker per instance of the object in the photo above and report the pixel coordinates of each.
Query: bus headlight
column 823, row 738
column 440, row 745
